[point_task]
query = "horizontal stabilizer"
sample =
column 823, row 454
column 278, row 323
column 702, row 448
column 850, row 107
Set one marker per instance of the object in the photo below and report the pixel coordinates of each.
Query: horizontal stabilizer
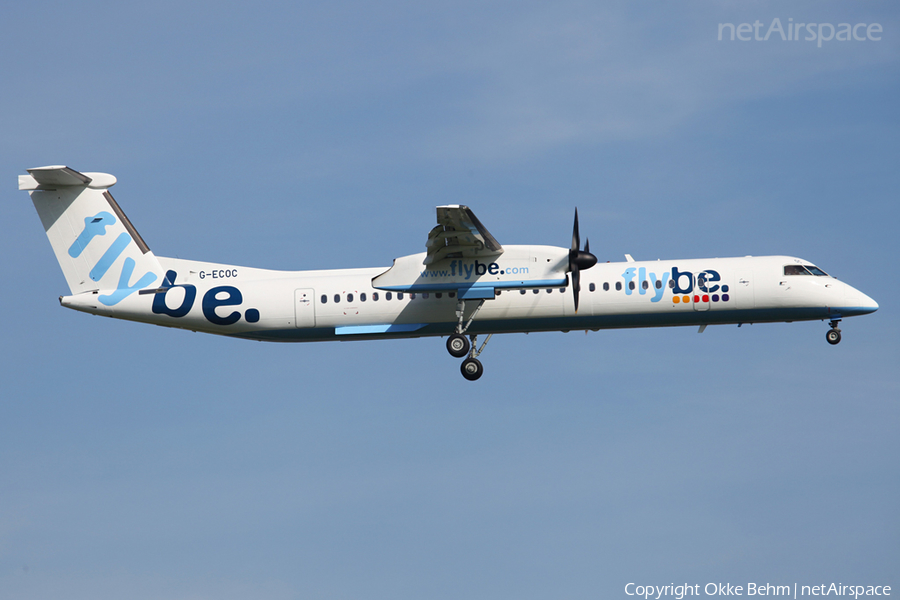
column 57, row 176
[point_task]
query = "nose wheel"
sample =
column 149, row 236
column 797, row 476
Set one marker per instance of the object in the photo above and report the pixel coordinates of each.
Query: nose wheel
column 833, row 335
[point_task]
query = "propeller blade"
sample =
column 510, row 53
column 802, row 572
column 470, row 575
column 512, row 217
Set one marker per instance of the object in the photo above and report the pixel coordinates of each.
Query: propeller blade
column 579, row 259
column 576, row 239
column 576, row 285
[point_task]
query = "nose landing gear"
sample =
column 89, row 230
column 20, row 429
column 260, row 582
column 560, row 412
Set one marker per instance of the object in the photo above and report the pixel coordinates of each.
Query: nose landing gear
column 833, row 335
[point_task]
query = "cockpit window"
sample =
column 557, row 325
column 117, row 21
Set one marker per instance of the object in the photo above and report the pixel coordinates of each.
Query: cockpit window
column 795, row 270
column 816, row 271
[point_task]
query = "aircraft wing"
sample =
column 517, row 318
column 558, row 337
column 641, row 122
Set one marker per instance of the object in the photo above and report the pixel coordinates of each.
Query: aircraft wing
column 459, row 233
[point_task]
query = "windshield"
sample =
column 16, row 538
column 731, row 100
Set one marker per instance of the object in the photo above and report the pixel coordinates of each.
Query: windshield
column 816, row 271
column 795, row 270
column 804, row 270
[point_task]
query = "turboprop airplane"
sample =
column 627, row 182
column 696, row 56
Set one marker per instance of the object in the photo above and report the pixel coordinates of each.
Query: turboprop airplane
column 464, row 284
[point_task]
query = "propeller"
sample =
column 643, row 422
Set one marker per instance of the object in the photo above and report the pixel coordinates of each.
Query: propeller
column 579, row 259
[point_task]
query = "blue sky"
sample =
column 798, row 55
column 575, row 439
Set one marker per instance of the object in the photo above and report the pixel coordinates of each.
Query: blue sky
column 142, row 462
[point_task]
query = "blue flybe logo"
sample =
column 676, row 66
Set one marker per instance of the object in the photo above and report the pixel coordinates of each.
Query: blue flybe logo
column 223, row 295
column 96, row 227
column 213, row 299
column 686, row 287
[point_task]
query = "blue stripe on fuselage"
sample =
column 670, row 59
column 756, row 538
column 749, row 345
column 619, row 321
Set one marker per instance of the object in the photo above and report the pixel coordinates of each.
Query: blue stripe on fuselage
column 383, row 328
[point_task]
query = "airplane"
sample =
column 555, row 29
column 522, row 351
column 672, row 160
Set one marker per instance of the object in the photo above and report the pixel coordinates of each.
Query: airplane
column 464, row 285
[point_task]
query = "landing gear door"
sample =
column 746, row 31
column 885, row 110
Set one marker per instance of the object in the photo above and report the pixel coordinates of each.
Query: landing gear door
column 304, row 308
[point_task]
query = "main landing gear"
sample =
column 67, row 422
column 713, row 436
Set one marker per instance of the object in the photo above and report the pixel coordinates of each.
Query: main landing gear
column 471, row 368
column 458, row 346
column 833, row 335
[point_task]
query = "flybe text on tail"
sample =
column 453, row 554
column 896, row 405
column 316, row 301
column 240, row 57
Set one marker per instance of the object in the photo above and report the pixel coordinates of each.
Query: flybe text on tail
column 94, row 227
column 96, row 245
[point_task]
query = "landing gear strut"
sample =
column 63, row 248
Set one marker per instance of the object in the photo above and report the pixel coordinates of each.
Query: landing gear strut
column 833, row 335
column 471, row 367
column 458, row 346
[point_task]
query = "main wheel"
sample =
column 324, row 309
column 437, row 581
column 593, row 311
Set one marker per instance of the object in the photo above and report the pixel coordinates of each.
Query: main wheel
column 833, row 336
column 457, row 345
column 471, row 369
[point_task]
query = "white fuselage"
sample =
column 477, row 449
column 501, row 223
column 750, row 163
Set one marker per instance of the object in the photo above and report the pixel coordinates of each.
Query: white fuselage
column 296, row 306
column 464, row 283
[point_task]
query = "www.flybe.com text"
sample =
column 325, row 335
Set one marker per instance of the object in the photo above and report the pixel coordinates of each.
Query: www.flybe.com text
column 678, row 592
column 459, row 268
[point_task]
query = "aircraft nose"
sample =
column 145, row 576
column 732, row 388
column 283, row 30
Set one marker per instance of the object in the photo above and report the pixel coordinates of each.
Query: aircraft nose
column 861, row 304
column 867, row 304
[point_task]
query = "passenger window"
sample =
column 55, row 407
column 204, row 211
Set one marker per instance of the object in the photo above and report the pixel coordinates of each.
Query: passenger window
column 412, row 296
column 645, row 284
column 672, row 283
column 536, row 291
column 324, row 299
column 522, row 292
column 349, row 297
column 562, row 290
column 605, row 286
column 362, row 297
column 549, row 290
column 388, row 296
column 374, row 296
column 658, row 284
column 618, row 286
column 425, row 295
column 592, row 287
column 451, row 294
column 439, row 295
column 497, row 292
column 337, row 298
column 630, row 285
column 399, row 295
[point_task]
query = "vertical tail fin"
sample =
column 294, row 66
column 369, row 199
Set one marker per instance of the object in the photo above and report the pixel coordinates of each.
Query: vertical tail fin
column 96, row 245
